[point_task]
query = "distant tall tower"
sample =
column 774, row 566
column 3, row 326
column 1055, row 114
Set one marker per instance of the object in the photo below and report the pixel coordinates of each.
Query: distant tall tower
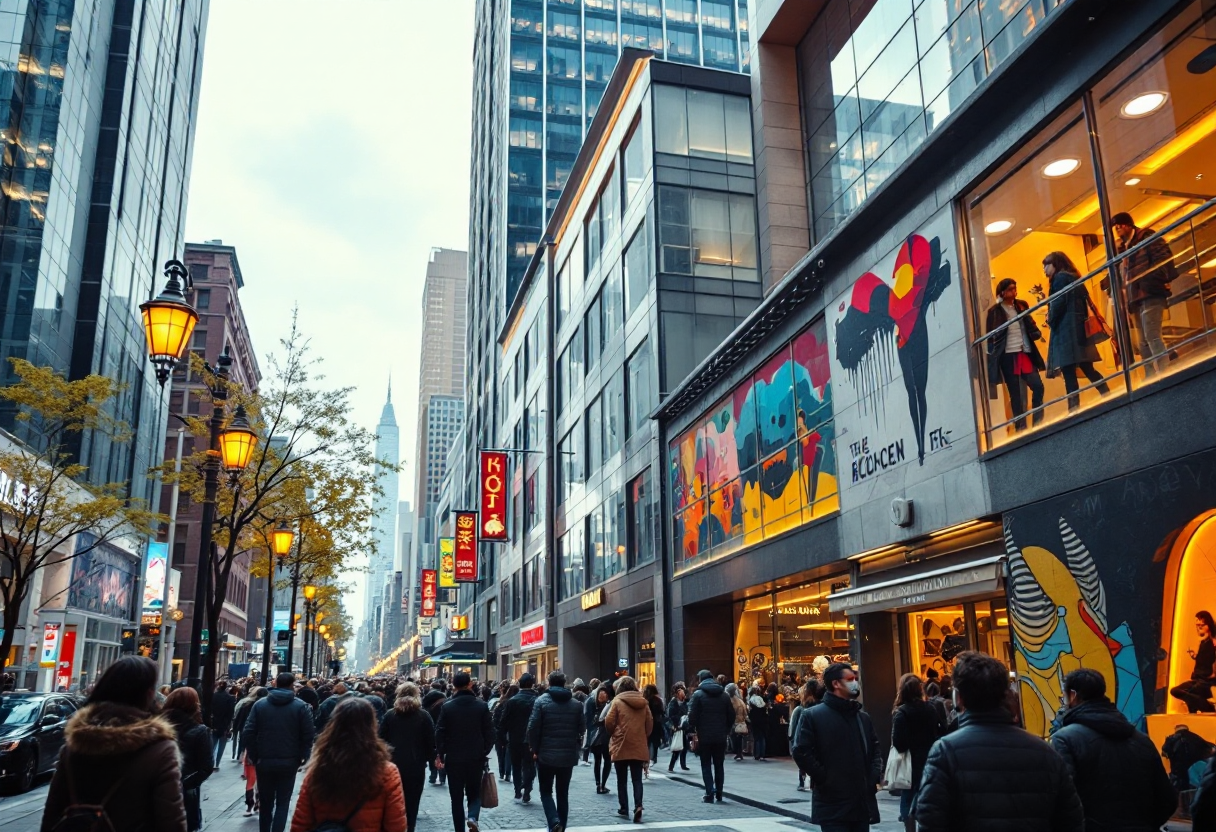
column 385, row 513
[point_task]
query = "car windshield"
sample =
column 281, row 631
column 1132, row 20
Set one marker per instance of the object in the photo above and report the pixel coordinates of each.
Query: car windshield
column 18, row 710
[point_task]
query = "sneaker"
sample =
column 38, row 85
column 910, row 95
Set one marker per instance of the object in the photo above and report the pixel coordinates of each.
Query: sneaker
column 709, row 798
column 518, row 797
column 623, row 812
column 802, row 788
column 527, row 797
column 685, row 768
column 718, row 799
column 248, row 813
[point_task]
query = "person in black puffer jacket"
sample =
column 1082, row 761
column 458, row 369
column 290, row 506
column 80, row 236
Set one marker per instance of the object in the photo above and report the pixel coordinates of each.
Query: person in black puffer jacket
column 1117, row 770
column 513, row 721
column 711, row 716
column 431, row 703
column 464, row 738
column 183, row 710
column 989, row 775
column 409, row 731
column 278, row 739
column 915, row 726
column 555, row 728
column 223, row 708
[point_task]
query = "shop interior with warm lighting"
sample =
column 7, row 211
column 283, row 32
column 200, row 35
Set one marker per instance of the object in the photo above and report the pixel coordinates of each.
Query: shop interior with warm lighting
column 936, row 636
column 1152, row 153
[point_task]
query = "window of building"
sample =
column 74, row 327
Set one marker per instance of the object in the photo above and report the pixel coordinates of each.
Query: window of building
column 635, row 164
column 594, row 338
column 570, row 465
column 683, row 46
column 532, row 415
column 637, row 269
column 717, row 15
column 563, row 26
column 525, row 56
column 531, row 502
column 640, row 395
column 1153, row 125
column 525, row 95
column 563, row 100
column 720, row 51
column 707, row 233
column 646, row 9
column 643, row 520
column 707, row 125
column 179, row 544
column 599, row 65
column 600, row 31
column 572, row 560
column 613, row 414
column 595, row 437
column 524, row 132
column 564, row 138
column 562, row 288
column 604, row 219
column 612, row 304
column 523, row 169
column 577, row 366
column 525, row 20
column 562, row 62
column 517, row 605
column 642, row 36
column 202, row 299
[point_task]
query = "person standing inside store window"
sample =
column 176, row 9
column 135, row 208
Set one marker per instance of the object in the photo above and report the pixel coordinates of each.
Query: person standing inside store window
column 1069, row 349
column 1196, row 692
column 1013, row 355
column 1147, row 274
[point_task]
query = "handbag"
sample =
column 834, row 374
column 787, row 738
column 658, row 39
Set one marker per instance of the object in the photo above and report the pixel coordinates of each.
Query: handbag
column 694, row 743
column 677, row 741
column 1096, row 328
column 898, row 774
column 489, row 789
column 740, row 727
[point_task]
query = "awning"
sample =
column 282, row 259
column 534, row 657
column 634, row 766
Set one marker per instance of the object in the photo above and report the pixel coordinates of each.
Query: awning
column 948, row 584
column 455, row 658
column 458, row 651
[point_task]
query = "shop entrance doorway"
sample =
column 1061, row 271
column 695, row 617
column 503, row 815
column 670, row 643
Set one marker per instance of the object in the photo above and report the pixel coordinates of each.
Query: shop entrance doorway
column 936, row 636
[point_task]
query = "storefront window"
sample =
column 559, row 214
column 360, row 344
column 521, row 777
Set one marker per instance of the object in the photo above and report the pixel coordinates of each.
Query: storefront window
column 1125, row 317
column 937, row 636
column 790, row 636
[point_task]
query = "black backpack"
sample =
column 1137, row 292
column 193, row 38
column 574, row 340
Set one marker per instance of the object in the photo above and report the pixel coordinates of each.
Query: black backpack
column 340, row 825
column 85, row 817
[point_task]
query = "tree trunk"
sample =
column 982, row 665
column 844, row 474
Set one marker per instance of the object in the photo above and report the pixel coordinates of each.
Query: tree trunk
column 12, row 617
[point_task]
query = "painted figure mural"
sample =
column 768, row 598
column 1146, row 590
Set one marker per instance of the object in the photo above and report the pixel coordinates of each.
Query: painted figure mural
column 1057, row 608
column 879, row 319
column 762, row 460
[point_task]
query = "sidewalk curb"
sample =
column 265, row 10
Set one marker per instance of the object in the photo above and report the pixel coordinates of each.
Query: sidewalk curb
column 746, row 801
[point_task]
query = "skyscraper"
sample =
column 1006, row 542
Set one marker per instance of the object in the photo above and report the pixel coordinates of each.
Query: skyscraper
column 384, row 510
column 97, row 113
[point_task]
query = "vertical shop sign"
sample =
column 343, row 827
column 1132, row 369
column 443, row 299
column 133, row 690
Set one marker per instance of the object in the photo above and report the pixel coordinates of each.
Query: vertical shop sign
column 493, row 496
column 466, row 546
column 447, row 563
column 50, row 645
column 430, row 592
column 67, row 656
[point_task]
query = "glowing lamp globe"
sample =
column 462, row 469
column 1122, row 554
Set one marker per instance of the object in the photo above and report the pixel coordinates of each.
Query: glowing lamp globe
column 168, row 322
column 281, row 540
column 237, row 442
column 310, row 592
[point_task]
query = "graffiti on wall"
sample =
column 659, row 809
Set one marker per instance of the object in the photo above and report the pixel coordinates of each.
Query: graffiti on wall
column 1057, row 609
column 762, row 460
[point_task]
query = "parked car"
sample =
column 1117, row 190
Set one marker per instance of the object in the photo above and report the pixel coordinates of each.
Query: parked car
column 31, row 734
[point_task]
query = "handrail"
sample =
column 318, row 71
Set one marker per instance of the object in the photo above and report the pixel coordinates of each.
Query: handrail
column 1105, row 267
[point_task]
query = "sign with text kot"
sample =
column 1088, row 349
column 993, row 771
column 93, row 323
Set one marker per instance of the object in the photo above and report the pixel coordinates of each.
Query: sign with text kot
column 430, row 592
column 466, row 546
column 493, row 495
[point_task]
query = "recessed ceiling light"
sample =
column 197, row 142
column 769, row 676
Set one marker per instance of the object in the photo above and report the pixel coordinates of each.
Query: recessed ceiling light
column 1027, row 230
column 1061, row 167
column 1143, row 105
column 998, row 227
column 1132, row 182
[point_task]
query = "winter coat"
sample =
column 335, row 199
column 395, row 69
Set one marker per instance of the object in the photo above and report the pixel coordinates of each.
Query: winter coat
column 915, row 726
column 793, row 729
column 1150, row 270
column 432, row 701
column 377, row 703
column 555, row 726
column 740, row 708
column 657, row 734
column 591, row 710
column 836, row 739
column 278, row 733
column 1066, row 314
column 676, row 711
column 629, row 724
column 989, row 775
column 106, row 743
column 411, row 735
column 711, row 714
column 309, row 697
column 1117, row 771
column 326, row 709
column 383, row 812
column 1031, row 334
column 223, row 707
column 464, row 733
column 194, row 745
column 241, row 713
column 1203, row 805
column 515, row 714
column 757, row 714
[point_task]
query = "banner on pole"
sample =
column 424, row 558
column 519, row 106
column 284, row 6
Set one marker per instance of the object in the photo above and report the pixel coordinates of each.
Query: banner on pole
column 447, row 563
column 430, row 592
column 466, row 546
column 493, row 496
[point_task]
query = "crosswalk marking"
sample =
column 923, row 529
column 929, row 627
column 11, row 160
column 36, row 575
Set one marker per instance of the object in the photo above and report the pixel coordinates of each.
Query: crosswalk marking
column 735, row 824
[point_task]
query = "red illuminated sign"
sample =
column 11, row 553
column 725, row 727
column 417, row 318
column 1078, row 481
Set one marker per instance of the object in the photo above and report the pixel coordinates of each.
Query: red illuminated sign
column 466, row 546
column 493, row 496
column 430, row 592
column 532, row 637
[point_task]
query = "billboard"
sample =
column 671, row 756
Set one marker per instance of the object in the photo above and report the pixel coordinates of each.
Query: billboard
column 154, row 576
column 466, row 546
column 447, row 562
column 103, row 580
column 493, row 496
column 430, row 592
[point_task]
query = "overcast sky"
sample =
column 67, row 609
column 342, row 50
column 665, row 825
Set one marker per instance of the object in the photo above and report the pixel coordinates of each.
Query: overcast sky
column 332, row 151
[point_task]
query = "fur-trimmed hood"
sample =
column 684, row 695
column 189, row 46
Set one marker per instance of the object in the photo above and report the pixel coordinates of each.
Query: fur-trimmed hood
column 106, row 729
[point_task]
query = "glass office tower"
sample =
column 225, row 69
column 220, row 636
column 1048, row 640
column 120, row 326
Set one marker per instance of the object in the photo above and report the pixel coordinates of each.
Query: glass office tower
column 97, row 112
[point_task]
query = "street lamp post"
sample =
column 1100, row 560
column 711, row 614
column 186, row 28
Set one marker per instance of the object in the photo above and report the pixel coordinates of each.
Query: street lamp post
column 280, row 545
column 310, row 592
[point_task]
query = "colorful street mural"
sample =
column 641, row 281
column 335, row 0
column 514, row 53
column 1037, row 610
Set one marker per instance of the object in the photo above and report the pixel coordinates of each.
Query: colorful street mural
column 762, row 460
column 1057, row 608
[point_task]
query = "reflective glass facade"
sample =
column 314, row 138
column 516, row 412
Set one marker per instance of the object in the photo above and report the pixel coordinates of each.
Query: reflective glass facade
column 97, row 107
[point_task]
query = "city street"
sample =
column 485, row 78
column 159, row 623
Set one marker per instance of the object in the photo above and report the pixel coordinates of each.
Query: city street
column 761, row 797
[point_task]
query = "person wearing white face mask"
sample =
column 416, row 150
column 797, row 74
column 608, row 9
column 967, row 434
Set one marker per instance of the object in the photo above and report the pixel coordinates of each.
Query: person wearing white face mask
column 836, row 744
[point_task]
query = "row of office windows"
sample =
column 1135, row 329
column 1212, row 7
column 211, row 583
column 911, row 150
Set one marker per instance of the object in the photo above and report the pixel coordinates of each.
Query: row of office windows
column 619, row 534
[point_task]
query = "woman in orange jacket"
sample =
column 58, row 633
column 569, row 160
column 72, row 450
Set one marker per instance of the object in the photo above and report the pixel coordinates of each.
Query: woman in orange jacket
column 351, row 779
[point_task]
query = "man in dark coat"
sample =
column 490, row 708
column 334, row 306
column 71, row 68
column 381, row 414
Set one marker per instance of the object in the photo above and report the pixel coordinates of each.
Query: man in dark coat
column 1116, row 769
column 1147, row 274
column 989, row 774
column 223, row 707
column 326, row 708
column 555, row 728
column 431, row 703
column 1203, row 805
column 308, row 695
column 513, row 716
column 464, row 738
column 711, row 716
column 278, row 739
column 837, row 746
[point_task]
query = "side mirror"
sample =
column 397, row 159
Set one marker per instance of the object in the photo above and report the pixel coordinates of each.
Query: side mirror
column 50, row 720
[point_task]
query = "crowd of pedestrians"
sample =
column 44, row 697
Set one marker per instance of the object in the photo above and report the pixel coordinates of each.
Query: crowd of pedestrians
column 365, row 747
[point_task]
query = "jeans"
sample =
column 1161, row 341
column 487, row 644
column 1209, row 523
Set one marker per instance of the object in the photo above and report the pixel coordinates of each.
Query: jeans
column 600, row 756
column 1071, row 385
column 736, row 744
column 905, row 804
column 504, row 760
column 523, row 770
column 1146, row 329
column 759, row 744
column 848, row 826
column 437, row 774
column 464, row 782
column 626, row 769
column 559, row 812
column 713, row 772
column 274, row 794
column 219, row 741
column 1195, row 694
column 413, row 781
column 1017, row 398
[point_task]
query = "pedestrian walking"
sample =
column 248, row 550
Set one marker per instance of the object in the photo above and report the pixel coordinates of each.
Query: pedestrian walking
column 597, row 735
column 677, row 718
column 250, row 775
column 120, row 757
column 432, row 701
column 657, row 735
column 410, row 733
column 243, row 706
column 278, row 738
column 464, row 738
column 757, row 718
column 711, row 717
column 185, row 714
column 223, row 707
column 629, row 724
column 516, row 712
column 837, row 746
column 739, row 729
column 1117, row 770
column 350, row 780
column 988, row 774
column 308, row 695
column 554, row 731
column 505, row 690
column 810, row 694
column 590, row 709
column 340, row 694
column 915, row 726
column 1203, row 804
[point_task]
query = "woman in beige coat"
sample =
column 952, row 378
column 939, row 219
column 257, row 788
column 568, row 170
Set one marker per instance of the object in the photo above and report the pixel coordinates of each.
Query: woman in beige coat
column 629, row 723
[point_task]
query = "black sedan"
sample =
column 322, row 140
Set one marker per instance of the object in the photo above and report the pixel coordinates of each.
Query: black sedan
column 31, row 734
